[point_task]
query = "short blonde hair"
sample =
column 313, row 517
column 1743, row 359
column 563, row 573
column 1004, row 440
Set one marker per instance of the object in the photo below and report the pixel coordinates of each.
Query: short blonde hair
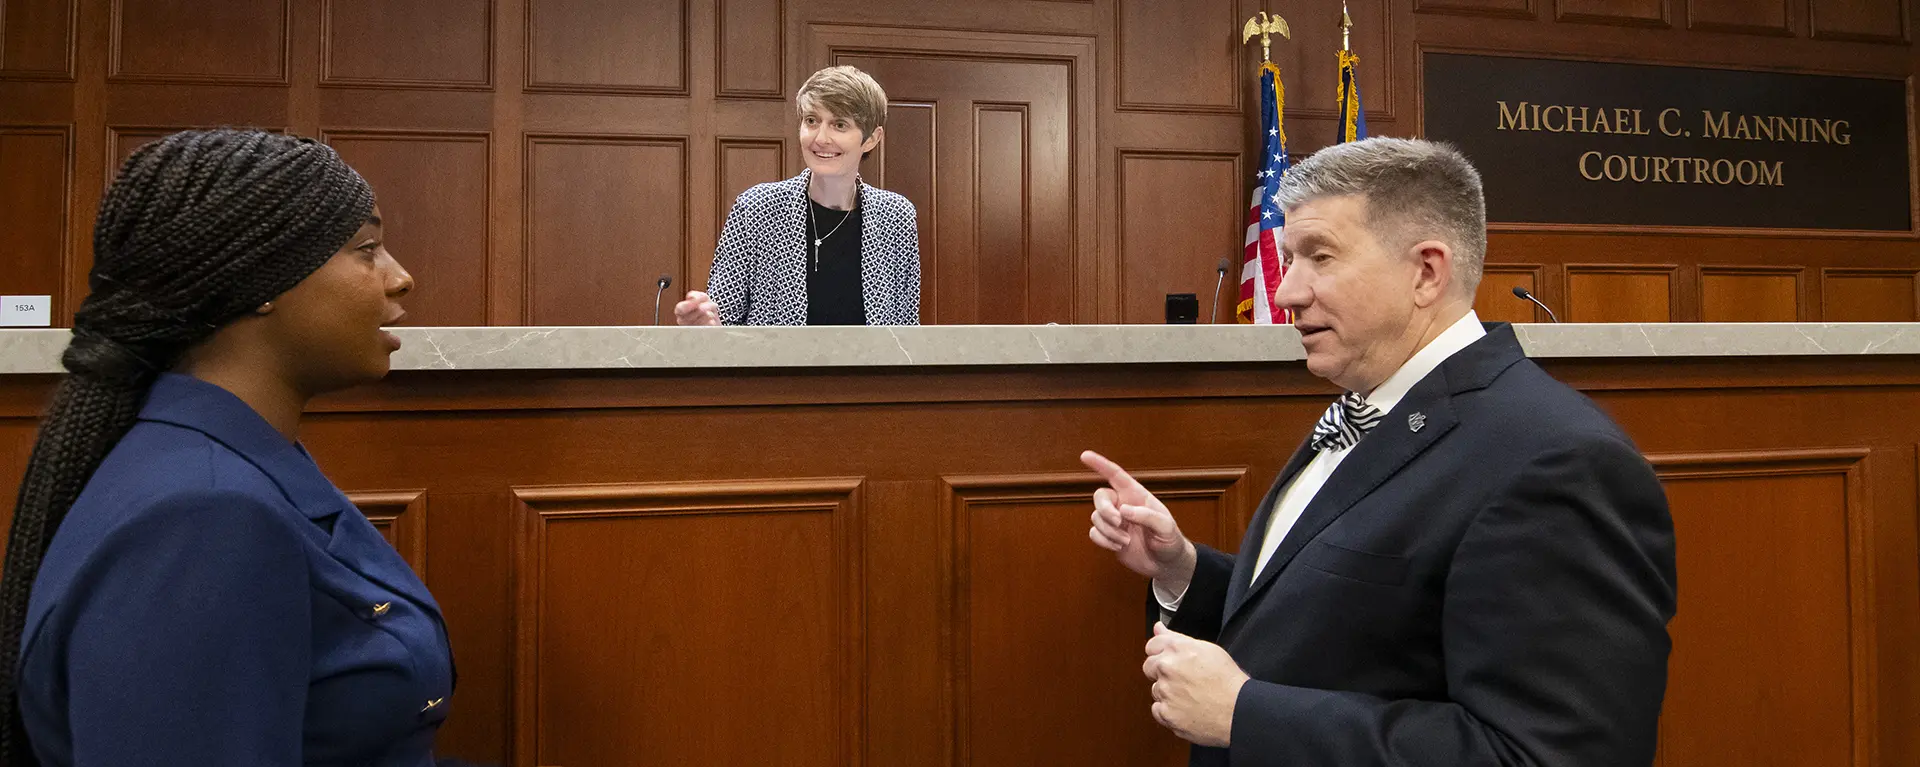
column 846, row 92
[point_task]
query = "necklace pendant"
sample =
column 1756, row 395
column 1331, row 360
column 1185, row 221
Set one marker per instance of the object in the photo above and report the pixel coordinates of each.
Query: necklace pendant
column 816, row 243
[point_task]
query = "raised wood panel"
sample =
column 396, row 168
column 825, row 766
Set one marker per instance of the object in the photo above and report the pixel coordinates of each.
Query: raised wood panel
column 1771, row 665
column 1178, row 56
column 1308, row 63
column 607, row 217
column 1020, row 682
column 608, row 46
column 1001, row 221
column 750, row 40
column 1625, row 293
column 472, row 550
column 1751, row 294
column 1499, row 9
column 432, row 189
column 37, row 39
column 908, row 703
column 401, row 516
column 1494, row 301
column 35, row 166
column 1201, row 190
column 407, row 43
column 189, row 41
column 1870, row 295
column 743, row 163
column 905, row 165
column 1625, row 13
column 652, row 611
column 972, row 93
column 1873, row 21
column 122, row 140
column 1752, row 17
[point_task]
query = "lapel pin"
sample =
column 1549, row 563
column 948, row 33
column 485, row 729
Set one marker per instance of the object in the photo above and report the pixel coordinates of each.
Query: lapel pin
column 1417, row 421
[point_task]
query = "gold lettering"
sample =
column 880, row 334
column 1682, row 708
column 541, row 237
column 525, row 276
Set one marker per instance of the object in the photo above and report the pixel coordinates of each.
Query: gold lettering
column 1660, row 170
column 1546, row 116
column 1740, row 130
column 1822, row 131
column 1763, row 128
column 1514, row 120
column 1663, row 122
column 1642, row 169
column 1638, row 130
column 1716, row 129
column 1583, row 121
column 1536, row 117
column 1841, row 133
column 1611, row 175
column 1601, row 122
column 1786, row 129
column 1583, row 166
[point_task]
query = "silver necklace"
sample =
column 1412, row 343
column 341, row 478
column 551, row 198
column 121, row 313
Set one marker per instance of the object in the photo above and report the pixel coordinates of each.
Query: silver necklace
column 836, row 228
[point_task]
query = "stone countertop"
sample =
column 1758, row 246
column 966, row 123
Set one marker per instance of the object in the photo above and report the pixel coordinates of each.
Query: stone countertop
column 37, row 350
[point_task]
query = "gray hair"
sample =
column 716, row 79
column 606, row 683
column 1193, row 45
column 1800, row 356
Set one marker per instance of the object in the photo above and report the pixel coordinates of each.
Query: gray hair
column 1415, row 190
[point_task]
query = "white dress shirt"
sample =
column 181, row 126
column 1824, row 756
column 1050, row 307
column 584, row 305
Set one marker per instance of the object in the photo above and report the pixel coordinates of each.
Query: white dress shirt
column 1305, row 485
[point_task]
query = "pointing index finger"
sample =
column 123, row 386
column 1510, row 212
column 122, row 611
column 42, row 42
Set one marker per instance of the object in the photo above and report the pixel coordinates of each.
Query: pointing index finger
column 1111, row 472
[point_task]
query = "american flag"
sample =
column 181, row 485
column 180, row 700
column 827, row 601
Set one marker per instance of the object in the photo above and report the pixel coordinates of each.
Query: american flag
column 1260, row 272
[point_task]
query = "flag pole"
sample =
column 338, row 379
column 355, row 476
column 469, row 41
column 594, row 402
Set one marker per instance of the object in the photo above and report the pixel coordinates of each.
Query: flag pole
column 1346, row 28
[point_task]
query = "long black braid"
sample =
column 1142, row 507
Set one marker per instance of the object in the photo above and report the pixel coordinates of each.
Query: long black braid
column 199, row 228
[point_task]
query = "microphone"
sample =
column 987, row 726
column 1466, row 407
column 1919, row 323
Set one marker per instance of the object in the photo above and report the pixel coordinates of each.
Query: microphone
column 1220, row 270
column 1522, row 293
column 663, row 283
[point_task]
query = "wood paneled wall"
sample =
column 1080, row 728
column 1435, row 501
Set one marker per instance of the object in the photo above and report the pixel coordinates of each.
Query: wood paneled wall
column 544, row 161
column 892, row 567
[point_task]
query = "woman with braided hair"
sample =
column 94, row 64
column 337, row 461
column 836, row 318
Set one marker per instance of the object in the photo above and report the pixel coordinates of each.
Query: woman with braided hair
column 182, row 584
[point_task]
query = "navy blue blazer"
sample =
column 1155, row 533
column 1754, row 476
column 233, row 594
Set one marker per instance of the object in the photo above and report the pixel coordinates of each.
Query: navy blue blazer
column 212, row 599
column 1485, row 580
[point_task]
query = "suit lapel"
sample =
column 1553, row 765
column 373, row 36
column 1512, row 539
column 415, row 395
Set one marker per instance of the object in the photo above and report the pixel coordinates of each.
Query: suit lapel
column 1256, row 534
column 1380, row 455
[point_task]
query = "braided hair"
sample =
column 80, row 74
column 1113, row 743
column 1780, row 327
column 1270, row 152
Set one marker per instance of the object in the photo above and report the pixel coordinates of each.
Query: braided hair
column 199, row 229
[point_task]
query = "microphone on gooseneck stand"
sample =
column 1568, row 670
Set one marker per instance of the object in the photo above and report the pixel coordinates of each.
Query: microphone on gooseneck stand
column 1220, row 278
column 1522, row 293
column 663, row 283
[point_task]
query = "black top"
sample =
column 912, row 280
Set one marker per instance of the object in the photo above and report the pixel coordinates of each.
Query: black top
column 835, row 293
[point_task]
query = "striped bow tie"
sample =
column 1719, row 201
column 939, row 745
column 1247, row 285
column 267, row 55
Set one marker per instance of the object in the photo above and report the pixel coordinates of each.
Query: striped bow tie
column 1347, row 419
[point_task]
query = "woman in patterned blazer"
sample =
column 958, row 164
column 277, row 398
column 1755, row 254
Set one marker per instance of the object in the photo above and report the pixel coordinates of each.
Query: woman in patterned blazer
column 823, row 247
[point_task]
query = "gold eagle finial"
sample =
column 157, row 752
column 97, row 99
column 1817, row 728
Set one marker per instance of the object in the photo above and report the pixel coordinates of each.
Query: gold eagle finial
column 1265, row 26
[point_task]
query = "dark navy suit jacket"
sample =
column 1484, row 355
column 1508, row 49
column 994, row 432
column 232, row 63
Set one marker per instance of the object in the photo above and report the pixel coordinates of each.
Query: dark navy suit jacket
column 212, row 600
column 1485, row 580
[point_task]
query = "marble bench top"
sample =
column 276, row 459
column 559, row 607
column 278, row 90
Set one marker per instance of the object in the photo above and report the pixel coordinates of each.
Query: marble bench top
column 37, row 350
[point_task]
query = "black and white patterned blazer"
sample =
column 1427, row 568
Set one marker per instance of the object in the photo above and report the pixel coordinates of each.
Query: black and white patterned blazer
column 760, row 267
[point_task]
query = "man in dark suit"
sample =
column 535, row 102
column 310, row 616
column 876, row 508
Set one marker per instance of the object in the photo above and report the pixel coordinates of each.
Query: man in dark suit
column 1467, row 562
